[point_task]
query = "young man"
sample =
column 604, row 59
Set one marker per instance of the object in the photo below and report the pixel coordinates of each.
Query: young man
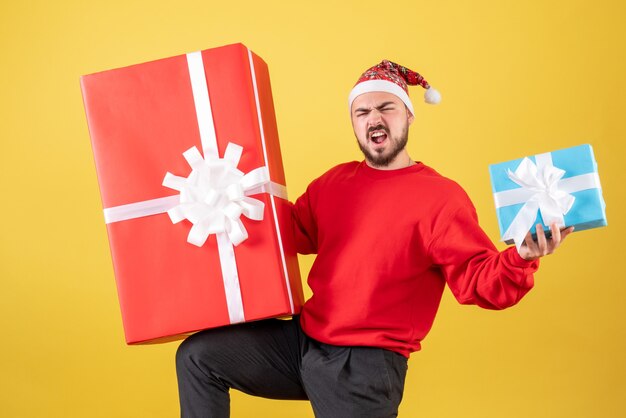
column 389, row 233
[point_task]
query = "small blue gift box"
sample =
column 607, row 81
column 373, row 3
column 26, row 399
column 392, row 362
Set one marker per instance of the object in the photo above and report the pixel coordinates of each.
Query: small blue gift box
column 561, row 186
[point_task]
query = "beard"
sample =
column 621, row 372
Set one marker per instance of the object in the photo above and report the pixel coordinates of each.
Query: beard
column 384, row 157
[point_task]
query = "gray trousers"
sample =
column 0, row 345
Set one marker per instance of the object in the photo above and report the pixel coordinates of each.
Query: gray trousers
column 275, row 359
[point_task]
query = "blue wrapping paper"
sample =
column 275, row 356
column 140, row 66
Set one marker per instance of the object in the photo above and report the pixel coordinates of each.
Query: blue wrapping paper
column 578, row 164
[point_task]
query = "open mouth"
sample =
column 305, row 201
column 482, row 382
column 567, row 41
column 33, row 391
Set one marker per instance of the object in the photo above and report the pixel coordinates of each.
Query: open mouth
column 378, row 137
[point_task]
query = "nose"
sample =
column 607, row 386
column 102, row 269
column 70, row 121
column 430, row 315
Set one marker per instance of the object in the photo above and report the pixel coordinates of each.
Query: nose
column 374, row 118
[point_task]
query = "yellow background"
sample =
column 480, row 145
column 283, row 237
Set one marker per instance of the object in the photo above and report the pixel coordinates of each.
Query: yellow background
column 517, row 78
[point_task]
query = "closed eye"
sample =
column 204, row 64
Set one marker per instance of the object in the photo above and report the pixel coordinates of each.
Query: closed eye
column 385, row 106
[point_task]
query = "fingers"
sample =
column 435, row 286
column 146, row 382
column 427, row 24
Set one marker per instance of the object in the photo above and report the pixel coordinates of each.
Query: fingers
column 556, row 234
column 543, row 246
column 566, row 232
column 541, row 240
column 530, row 242
column 557, row 238
column 528, row 250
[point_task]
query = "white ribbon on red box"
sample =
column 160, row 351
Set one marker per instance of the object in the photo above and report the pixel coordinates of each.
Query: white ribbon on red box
column 215, row 194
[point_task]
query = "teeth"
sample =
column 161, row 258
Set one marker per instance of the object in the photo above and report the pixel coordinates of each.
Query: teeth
column 376, row 134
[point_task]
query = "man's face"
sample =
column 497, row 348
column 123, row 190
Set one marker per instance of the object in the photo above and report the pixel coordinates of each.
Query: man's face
column 381, row 125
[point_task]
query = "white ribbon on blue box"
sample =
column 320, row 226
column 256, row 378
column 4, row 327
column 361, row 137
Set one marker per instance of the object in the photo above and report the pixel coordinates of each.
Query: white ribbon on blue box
column 560, row 186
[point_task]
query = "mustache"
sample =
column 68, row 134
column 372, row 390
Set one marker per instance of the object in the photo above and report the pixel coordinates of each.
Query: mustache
column 377, row 128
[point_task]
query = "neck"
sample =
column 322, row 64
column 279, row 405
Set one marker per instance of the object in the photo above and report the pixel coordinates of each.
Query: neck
column 403, row 160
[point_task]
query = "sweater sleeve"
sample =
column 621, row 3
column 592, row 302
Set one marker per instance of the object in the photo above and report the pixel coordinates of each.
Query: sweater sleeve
column 475, row 271
column 304, row 224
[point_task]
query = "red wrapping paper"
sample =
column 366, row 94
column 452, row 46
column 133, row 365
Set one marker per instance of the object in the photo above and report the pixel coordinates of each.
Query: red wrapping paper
column 141, row 119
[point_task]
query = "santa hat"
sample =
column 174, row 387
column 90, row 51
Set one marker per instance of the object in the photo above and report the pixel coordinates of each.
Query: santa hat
column 393, row 78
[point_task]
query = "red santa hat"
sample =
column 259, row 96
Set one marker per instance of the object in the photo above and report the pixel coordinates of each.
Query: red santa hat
column 393, row 78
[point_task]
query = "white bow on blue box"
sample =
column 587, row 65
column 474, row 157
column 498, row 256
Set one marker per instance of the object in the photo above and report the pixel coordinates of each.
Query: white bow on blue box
column 561, row 186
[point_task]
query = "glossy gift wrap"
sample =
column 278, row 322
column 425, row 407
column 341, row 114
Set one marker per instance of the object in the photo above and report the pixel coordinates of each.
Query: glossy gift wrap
column 193, row 190
column 561, row 186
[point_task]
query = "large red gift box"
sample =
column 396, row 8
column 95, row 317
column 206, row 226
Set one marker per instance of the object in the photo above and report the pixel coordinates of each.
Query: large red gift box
column 142, row 118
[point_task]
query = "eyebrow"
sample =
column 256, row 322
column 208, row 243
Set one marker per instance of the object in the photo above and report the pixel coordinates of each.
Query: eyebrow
column 380, row 106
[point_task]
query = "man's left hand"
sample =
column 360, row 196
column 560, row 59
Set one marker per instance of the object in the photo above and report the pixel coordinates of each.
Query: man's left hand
column 532, row 250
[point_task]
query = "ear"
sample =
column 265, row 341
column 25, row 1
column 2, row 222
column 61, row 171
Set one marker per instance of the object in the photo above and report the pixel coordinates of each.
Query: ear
column 409, row 116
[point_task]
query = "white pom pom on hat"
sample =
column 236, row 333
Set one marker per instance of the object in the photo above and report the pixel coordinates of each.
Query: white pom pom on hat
column 393, row 78
column 432, row 96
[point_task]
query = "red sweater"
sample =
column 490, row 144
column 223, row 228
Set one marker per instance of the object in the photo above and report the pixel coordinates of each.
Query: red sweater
column 387, row 242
